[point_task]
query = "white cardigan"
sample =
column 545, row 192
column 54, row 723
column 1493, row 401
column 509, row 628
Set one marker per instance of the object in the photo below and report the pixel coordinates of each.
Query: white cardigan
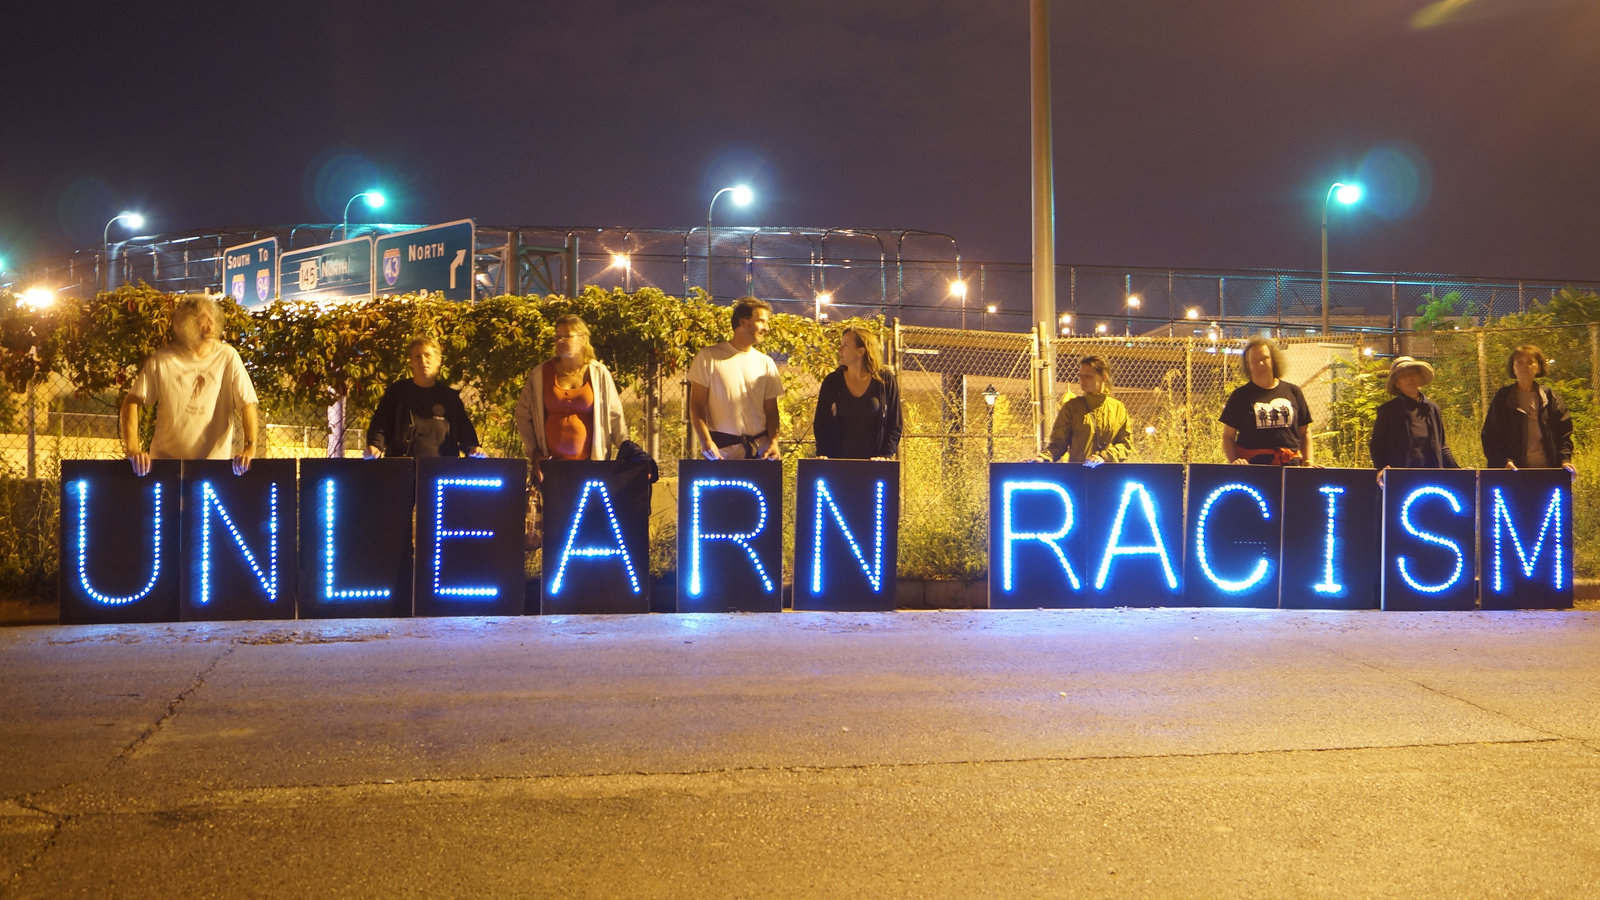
column 610, row 429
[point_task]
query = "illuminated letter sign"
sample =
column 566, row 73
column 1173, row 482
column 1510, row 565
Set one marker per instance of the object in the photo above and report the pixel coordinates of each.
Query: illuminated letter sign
column 730, row 535
column 1136, row 535
column 847, row 514
column 119, row 542
column 355, row 543
column 470, row 537
column 1330, row 557
column 596, row 538
column 239, row 540
column 1525, row 538
column 1036, row 529
column 1428, row 539
column 1235, row 533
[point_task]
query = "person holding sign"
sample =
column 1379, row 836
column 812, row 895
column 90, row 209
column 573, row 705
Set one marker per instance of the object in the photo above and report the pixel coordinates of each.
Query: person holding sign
column 858, row 404
column 1527, row 426
column 422, row 416
column 569, row 407
column 1408, row 432
column 197, row 382
column 1093, row 428
column 1266, row 420
column 734, row 390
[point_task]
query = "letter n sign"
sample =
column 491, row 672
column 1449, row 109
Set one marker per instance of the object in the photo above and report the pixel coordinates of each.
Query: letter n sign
column 1037, row 522
column 730, row 536
column 1525, row 538
column 470, row 520
column 239, row 540
column 847, row 514
column 596, row 538
column 1430, row 528
column 119, row 542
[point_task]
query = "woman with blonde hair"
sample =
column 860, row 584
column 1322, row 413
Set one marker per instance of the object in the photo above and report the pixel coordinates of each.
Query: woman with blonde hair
column 858, row 404
column 569, row 407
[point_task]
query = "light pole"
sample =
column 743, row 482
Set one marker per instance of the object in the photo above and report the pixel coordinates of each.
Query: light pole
column 823, row 299
column 375, row 199
column 742, row 195
column 134, row 221
column 990, row 395
column 958, row 290
column 1346, row 194
column 1133, row 304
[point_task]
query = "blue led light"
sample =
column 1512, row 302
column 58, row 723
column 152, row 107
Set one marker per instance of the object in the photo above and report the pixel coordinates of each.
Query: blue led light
column 83, row 548
column 1115, row 549
column 1430, row 490
column 1263, row 565
column 440, row 534
column 1009, row 536
column 1501, row 515
column 1328, row 585
column 874, row 572
column 210, row 501
column 329, row 593
column 620, row 549
column 696, row 488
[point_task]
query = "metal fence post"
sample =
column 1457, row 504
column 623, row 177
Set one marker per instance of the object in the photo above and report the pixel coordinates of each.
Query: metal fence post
column 1483, row 376
column 1594, row 362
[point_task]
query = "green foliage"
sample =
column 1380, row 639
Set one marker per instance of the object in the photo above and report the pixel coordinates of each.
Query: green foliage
column 1360, row 388
column 1435, row 310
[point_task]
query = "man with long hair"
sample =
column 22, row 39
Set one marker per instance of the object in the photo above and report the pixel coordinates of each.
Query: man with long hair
column 197, row 383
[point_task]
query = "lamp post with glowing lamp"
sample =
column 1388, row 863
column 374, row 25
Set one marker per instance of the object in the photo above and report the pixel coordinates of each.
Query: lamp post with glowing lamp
column 823, row 298
column 1133, row 304
column 958, row 290
column 375, row 199
column 990, row 395
column 742, row 195
column 1346, row 194
column 133, row 221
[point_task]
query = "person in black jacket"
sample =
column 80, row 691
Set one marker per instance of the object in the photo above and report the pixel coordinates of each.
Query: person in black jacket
column 421, row 415
column 858, row 405
column 1527, row 426
column 1408, row 432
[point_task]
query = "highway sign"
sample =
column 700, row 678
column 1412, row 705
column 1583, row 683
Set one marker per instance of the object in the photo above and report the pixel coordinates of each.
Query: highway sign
column 437, row 258
column 249, row 272
column 341, row 270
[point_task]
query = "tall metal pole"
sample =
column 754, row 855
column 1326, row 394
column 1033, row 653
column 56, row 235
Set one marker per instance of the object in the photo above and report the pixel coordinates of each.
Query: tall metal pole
column 1325, row 260
column 1044, row 209
column 709, row 207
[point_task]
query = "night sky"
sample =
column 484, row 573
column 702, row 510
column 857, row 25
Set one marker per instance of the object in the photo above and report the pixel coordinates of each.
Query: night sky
column 1187, row 134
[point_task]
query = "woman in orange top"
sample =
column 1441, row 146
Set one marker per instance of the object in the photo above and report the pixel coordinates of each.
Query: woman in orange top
column 569, row 407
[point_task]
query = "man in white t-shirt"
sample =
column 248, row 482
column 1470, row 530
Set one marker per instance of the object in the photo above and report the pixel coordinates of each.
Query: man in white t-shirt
column 197, row 383
column 734, row 390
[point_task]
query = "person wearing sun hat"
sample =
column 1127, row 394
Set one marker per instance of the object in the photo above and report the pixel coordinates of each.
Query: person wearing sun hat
column 1409, row 433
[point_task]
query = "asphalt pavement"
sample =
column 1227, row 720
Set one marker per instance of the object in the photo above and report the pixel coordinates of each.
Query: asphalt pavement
column 942, row 753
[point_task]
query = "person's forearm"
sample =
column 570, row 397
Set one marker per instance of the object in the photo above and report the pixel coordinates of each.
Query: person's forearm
column 252, row 425
column 129, row 418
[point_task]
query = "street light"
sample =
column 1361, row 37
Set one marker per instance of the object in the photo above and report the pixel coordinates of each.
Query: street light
column 1066, row 323
column 823, row 299
column 958, row 290
column 990, row 395
column 988, row 309
column 1133, row 304
column 1346, row 194
column 134, row 222
column 374, row 200
column 1101, row 328
column 742, row 195
column 1192, row 312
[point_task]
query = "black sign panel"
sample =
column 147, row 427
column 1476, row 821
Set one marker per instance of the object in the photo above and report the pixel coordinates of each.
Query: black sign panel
column 1234, row 530
column 730, row 535
column 846, row 534
column 1525, row 538
column 238, row 540
column 596, row 538
column 355, row 537
column 1038, row 546
column 470, row 520
column 1330, row 538
column 1430, row 522
column 119, row 542
column 1135, row 534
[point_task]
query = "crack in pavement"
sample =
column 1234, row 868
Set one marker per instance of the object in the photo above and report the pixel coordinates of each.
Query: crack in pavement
column 172, row 710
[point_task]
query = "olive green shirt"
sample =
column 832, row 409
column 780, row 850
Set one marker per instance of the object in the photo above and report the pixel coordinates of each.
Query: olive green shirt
column 1091, row 424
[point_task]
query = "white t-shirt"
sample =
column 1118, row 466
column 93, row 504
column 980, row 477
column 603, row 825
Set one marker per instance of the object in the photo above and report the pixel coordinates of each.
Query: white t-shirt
column 740, row 382
column 195, row 401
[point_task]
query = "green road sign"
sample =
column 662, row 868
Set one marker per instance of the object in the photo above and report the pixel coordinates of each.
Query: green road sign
column 338, row 271
column 250, row 272
column 437, row 259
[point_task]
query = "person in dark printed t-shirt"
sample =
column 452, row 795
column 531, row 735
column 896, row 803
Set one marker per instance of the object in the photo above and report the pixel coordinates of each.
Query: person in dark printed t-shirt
column 1266, row 420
